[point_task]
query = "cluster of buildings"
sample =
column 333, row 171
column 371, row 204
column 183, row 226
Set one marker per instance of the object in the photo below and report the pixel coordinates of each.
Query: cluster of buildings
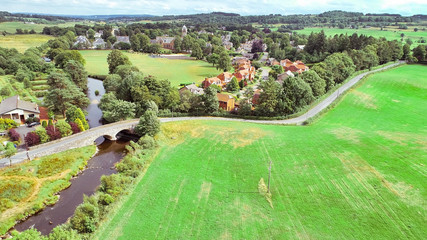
column 288, row 65
column 243, row 70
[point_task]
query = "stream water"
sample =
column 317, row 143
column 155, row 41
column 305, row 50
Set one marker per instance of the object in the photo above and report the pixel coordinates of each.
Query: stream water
column 109, row 153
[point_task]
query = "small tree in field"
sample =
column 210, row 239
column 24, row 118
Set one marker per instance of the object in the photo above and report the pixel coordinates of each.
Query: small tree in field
column 148, row 124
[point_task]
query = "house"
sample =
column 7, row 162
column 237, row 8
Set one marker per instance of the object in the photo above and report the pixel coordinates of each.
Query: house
column 286, row 63
column 272, row 62
column 225, row 101
column 99, row 43
column 166, row 42
column 225, row 77
column 213, row 80
column 43, row 114
column 184, row 31
column 18, row 110
column 297, row 66
column 192, row 88
column 82, row 42
column 283, row 76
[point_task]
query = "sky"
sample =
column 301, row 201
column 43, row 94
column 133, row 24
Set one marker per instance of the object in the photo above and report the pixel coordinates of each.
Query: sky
column 242, row 7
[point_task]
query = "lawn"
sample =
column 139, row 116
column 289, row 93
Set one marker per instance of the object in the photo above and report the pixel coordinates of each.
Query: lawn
column 359, row 172
column 23, row 42
column 176, row 71
column 27, row 187
column 389, row 33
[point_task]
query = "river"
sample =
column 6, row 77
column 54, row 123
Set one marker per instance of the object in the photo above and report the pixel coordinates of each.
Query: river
column 110, row 152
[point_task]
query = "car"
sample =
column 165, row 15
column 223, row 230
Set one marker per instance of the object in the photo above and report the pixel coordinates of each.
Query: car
column 33, row 124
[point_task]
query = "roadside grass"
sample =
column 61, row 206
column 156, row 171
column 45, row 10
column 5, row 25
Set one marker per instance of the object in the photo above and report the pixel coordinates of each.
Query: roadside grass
column 28, row 187
column 359, row 172
column 174, row 70
column 23, row 42
column 388, row 33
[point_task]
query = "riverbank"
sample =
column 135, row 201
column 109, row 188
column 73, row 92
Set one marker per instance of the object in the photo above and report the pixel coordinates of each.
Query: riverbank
column 28, row 187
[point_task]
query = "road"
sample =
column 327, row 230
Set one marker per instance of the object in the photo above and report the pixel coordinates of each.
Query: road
column 43, row 149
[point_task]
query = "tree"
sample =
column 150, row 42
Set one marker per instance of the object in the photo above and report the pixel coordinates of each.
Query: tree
column 213, row 58
column 125, row 70
column 91, row 33
column 73, row 113
column 148, row 124
column 63, row 94
column 235, row 39
column 210, row 100
column 32, row 139
column 116, row 58
column 196, row 52
column 257, row 46
column 85, row 217
column 77, row 73
column 80, row 125
column 297, row 93
column 134, row 43
column 29, row 234
column 269, row 98
column 112, row 83
column 177, row 45
column 420, row 52
column 10, row 150
column 63, row 57
column 340, row 65
column 316, row 83
column 118, row 110
column 224, row 62
column 406, row 51
column 233, row 85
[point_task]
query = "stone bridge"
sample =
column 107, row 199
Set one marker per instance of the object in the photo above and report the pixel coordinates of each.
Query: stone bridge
column 81, row 139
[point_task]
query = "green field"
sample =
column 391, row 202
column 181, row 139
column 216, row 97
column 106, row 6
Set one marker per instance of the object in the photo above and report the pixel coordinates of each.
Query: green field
column 17, row 88
column 389, row 33
column 23, row 42
column 11, row 27
column 359, row 172
column 176, row 71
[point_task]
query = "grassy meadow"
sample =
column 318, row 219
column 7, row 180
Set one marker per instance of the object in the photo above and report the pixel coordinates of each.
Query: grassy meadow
column 11, row 27
column 23, row 42
column 176, row 71
column 388, row 33
column 27, row 187
column 358, row 172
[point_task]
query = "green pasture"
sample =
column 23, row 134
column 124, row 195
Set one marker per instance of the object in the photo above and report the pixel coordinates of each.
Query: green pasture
column 11, row 27
column 388, row 33
column 359, row 172
column 176, row 71
column 23, row 42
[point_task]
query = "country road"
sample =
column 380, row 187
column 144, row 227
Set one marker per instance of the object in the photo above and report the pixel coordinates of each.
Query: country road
column 67, row 142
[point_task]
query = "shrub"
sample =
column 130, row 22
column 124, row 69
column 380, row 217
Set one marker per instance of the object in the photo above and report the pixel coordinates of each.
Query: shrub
column 96, row 92
column 105, row 199
column 6, row 123
column 114, row 184
column 14, row 135
column 50, row 123
column 2, row 72
column 147, row 142
column 86, row 216
column 74, row 127
column 5, row 91
column 42, row 134
column 53, row 132
column 29, row 234
column 32, row 139
column 44, row 124
column 62, row 233
column 64, row 128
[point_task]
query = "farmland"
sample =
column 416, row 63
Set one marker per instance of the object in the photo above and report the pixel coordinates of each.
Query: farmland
column 358, row 172
column 176, row 71
column 23, row 42
column 28, row 187
column 11, row 27
column 388, row 33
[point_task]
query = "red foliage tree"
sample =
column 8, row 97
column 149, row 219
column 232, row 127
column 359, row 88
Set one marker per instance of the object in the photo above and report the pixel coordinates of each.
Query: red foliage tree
column 53, row 133
column 74, row 127
column 32, row 139
column 14, row 135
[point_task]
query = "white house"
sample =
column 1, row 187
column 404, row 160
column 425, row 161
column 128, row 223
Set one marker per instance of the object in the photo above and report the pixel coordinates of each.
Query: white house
column 18, row 110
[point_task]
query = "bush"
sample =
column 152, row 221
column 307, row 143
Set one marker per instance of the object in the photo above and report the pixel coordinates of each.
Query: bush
column 147, row 142
column 32, row 139
column 96, row 92
column 64, row 128
column 74, row 127
column 53, row 132
column 86, row 216
column 14, row 135
column 44, row 124
column 105, row 199
column 42, row 134
column 30, row 234
column 5, row 91
column 114, row 184
column 6, row 123
column 62, row 233
column 2, row 72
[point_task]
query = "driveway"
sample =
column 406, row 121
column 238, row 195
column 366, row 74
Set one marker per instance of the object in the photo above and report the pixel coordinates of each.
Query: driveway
column 23, row 130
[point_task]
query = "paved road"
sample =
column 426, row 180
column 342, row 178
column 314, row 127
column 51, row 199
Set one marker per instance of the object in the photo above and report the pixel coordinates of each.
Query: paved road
column 42, row 149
